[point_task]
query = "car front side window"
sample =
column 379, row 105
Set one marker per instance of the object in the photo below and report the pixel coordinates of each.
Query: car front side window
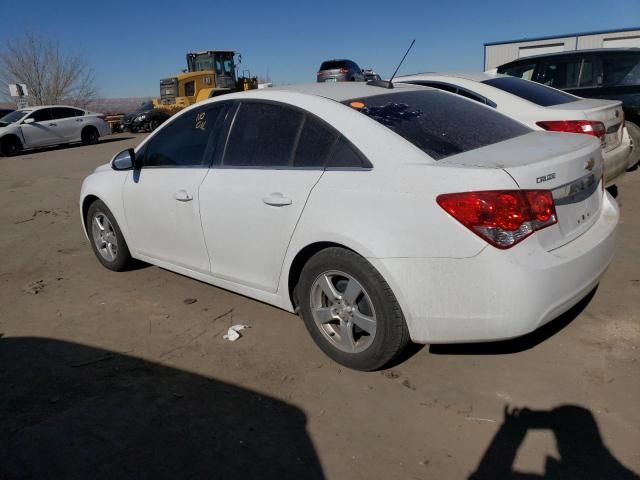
column 42, row 115
column 183, row 141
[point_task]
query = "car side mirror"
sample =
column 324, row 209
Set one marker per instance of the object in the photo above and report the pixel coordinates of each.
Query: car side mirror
column 125, row 160
column 28, row 121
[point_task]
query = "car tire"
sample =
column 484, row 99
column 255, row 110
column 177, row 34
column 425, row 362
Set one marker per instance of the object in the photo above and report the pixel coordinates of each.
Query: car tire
column 90, row 136
column 634, row 133
column 350, row 310
column 153, row 124
column 10, row 145
column 106, row 238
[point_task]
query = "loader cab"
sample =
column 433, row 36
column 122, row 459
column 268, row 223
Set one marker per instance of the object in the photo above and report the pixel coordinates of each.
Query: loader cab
column 220, row 62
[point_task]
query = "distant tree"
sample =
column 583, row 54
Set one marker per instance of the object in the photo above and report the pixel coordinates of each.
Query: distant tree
column 51, row 75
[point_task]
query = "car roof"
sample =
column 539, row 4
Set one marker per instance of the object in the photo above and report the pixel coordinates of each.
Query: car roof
column 473, row 76
column 40, row 107
column 341, row 91
column 601, row 51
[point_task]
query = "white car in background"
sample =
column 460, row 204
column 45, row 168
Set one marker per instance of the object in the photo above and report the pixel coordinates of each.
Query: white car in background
column 381, row 215
column 543, row 108
column 44, row 126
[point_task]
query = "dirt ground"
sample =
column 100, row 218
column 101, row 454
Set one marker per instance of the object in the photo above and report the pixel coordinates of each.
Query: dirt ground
column 106, row 375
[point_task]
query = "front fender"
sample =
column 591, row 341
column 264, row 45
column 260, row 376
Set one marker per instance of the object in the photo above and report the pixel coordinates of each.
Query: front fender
column 105, row 184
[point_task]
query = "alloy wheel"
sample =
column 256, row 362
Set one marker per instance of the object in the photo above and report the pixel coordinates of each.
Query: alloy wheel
column 104, row 237
column 343, row 311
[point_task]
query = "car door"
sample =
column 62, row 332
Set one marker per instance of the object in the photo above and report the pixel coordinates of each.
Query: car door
column 69, row 123
column 42, row 131
column 255, row 193
column 161, row 200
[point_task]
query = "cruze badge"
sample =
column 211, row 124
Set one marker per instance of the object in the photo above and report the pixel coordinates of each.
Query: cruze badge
column 546, row 178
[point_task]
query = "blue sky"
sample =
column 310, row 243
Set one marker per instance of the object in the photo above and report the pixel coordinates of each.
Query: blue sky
column 131, row 45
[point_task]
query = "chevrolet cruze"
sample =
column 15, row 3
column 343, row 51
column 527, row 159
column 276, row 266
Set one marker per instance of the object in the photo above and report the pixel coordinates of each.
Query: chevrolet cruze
column 381, row 215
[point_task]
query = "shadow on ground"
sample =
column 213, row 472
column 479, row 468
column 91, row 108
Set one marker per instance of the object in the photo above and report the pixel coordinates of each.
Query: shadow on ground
column 583, row 454
column 519, row 344
column 69, row 411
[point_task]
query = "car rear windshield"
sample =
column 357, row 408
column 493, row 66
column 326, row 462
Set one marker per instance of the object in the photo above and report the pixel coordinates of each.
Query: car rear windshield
column 333, row 65
column 531, row 91
column 438, row 123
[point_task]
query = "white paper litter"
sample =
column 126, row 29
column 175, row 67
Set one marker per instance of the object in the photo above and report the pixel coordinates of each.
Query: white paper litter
column 233, row 333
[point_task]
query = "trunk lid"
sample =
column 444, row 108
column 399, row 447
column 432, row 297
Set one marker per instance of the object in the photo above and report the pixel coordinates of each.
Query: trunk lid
column 570, row 165
column 606, row 111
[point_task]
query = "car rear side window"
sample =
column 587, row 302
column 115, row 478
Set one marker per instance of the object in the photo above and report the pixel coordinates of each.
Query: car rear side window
column 64, row 112
column 621, row 69
column 182, row 142
column 263, row 135
column 315, row 143
column 344, row 155
column 439, row 124
column 531, row 91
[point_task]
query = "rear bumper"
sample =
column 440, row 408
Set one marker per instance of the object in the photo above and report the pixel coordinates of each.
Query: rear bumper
column 617, row 161
column 500, row 294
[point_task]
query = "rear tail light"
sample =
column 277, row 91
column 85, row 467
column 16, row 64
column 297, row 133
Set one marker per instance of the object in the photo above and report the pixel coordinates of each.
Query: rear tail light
column 344, row 70
column 501, row 217
column 589, row 127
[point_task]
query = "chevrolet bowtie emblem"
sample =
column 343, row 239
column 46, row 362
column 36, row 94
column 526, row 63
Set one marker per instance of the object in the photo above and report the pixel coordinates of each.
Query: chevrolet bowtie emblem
column 589, row 164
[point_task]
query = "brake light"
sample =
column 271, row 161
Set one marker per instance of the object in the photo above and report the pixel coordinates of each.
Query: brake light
column 344, row 70
column 501, row 217
column 589, row 127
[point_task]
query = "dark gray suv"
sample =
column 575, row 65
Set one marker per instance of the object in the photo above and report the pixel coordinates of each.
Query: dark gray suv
column 340, row 71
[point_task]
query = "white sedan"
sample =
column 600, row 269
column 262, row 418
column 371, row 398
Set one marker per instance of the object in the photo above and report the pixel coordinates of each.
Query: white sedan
column 381, row 215
column 543, row 108
column 49, row 125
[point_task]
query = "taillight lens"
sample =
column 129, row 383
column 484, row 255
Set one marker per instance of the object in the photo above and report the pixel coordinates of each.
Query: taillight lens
column 344, row 70
column 501, row 217
column 589, row 127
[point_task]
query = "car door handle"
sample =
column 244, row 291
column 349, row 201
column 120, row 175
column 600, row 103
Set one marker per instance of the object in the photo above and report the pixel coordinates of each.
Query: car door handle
column 53, row 124
column 78, row 119
column 183, row 196
column 276, row 199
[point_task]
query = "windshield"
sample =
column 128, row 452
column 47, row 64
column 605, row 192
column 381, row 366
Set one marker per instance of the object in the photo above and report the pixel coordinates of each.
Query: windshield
column 224, row 63
column 531, row 91
column 438, row 123
column 145, row 107
column 13, row 117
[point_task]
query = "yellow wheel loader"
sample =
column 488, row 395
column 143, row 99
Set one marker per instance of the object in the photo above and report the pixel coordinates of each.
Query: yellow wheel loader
column 208, row 74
